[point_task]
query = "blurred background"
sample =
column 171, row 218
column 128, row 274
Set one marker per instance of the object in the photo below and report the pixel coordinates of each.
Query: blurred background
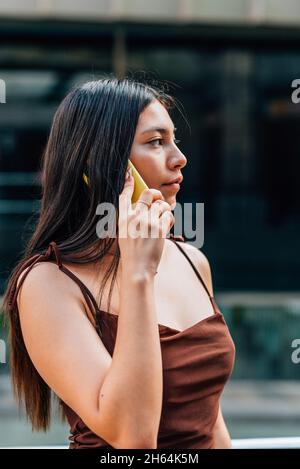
column 231, row 64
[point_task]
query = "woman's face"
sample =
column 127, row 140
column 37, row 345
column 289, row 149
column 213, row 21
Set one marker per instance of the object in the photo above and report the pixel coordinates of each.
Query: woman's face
column 154, row 152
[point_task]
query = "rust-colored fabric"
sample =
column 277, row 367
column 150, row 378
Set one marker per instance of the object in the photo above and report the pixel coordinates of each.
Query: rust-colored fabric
column 197, row 363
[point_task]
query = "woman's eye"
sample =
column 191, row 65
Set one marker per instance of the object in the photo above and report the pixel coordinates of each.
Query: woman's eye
column 160, row 140
column 156, row 140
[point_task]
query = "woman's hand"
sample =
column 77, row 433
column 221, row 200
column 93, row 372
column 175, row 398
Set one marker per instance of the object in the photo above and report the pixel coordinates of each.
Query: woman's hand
column 143, row 229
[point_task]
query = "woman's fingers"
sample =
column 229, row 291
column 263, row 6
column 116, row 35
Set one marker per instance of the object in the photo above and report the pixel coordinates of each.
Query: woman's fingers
column 167, row 220
column 142, row 229
column 146, row 199
column 159, row 206
column 161, row 218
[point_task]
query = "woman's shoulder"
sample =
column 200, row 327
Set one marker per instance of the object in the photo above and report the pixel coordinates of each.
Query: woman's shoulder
column 39, row 274
column 199, row 259
column 36, row 275
column 44, row 280
column 194, row 252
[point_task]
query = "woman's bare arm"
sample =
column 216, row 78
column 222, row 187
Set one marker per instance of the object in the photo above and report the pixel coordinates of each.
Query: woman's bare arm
column 119, row 398
column 133, row 388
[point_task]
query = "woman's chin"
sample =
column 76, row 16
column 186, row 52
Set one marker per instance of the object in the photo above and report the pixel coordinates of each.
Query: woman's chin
column 171, row 201
column 169, row 196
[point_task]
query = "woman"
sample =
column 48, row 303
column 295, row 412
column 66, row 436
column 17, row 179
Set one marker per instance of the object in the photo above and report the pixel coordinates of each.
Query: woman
column 150, row 373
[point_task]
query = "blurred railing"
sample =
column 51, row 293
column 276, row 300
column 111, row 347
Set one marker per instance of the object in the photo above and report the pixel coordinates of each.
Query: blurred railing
column 245, row 443
column 266, row 443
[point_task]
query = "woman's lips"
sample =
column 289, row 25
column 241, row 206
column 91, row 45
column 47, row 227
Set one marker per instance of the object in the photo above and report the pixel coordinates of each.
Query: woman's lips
column 175, row 186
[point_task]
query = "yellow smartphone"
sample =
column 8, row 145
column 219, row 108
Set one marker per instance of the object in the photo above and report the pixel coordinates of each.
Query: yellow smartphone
column 139, row 183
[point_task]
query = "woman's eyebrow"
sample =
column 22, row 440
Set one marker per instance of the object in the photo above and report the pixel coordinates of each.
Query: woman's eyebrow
column 162, row 130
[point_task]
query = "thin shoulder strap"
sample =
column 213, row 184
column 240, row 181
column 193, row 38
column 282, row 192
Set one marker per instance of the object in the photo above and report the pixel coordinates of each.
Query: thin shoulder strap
column 173, row 238
column 53, row 248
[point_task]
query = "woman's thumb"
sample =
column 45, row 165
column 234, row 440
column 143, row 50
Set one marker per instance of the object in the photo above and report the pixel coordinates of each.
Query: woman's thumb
column 128, row 176
column 129, row 182
column 128, row 186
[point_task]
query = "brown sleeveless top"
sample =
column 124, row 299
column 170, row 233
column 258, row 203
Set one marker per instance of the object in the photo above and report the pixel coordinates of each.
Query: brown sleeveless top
column 197, row 362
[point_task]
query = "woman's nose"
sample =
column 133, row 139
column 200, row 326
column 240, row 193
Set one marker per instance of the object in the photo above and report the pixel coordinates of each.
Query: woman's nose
column 179, row 159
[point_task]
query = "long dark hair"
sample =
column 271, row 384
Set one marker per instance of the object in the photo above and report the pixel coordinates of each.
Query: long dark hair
column 95, row 123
